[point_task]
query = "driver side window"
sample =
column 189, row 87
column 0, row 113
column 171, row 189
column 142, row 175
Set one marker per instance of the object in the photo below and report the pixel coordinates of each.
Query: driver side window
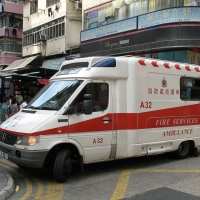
column 99, row 92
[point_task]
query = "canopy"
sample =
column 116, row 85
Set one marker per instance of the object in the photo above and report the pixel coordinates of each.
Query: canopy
column 43, row 81
column 53, row 63
column 19, row 64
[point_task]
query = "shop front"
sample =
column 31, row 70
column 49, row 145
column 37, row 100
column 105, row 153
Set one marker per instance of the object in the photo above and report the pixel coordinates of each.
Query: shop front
column 20, row 86
column 166, row 30
column 25, row 77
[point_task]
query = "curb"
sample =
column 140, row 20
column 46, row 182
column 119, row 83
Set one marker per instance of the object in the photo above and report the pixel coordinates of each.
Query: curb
column 9, row 189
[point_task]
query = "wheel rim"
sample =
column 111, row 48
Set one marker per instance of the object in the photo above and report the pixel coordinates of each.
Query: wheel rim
column 183, row 148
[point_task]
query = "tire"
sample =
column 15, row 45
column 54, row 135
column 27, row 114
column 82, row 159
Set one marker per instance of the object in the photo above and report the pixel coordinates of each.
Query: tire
column 183, row 150
column 63, row 165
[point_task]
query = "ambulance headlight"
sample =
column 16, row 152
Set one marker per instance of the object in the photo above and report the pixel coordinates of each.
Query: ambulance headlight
column 27, row 140
column 32, row 140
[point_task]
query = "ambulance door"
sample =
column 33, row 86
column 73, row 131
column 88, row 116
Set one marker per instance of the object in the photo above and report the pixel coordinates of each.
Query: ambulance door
column 93, row 132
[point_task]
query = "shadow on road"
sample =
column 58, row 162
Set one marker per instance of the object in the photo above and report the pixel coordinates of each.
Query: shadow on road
column 46, row 174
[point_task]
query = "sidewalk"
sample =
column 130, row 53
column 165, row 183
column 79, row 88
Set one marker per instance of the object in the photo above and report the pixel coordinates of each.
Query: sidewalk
column 7, row 185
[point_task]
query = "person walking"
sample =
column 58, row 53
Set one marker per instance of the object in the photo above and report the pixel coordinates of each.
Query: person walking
column 10, row 97
column 13, row 106
column 24, row 104
column 4, row 110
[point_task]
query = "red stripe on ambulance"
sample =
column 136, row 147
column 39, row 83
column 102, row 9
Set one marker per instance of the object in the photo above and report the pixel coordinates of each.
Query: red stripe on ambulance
column 154, row 63
column 177, row 66
column 187, row 68
column 142, row 62
column 179, row 116
column 197, row 69
column 167, row 65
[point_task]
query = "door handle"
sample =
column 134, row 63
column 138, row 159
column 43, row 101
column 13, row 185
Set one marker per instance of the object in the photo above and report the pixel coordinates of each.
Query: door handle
column 106, row 120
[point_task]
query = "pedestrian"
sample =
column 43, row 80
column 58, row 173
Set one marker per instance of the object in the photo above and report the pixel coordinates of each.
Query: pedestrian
column 10, row 97
column 4, row 110
column 1, row 101
column 13, row 106
column 24, row 103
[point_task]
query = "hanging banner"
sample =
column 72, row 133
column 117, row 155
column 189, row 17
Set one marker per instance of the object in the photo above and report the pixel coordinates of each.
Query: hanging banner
column 185, row 14
column 110, row 29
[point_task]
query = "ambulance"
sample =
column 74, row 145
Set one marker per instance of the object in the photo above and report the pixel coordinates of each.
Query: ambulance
column 99, row 109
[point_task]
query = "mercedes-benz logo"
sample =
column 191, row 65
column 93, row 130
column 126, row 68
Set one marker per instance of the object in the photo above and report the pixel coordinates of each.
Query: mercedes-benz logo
column 3, row 137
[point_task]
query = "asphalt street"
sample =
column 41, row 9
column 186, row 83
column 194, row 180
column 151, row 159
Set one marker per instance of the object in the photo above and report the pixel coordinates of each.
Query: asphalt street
column 153, row 178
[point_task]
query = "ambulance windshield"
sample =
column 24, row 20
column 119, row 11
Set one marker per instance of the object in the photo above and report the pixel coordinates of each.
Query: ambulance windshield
column 54, row 95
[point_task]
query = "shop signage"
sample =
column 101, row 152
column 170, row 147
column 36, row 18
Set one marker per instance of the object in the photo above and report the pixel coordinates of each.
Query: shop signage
column 185, row 14
column 110, row 29
column 111, row 45
column 115, row 44
column 53, row 63
column 69, row 71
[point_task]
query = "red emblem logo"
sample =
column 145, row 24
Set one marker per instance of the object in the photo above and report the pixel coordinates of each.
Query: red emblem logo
column 164, row 83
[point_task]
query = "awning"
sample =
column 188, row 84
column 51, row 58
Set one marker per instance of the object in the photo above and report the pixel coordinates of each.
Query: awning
column 19, row 64
column 2, row 74
column 53, row 63
column 43, row 81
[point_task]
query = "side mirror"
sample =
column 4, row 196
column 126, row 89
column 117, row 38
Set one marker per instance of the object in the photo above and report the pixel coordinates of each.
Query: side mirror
column 87, row 104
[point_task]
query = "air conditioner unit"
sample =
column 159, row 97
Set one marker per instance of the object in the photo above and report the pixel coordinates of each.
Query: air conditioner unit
column 42, row 38
column 78, row 5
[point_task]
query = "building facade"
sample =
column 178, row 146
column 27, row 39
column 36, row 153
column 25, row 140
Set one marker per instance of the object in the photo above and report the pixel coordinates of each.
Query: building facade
column 11, row 24
column 163, row 29
column 51, row 28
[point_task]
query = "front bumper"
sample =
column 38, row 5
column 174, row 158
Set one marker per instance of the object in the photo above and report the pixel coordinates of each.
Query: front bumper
column 32, row 159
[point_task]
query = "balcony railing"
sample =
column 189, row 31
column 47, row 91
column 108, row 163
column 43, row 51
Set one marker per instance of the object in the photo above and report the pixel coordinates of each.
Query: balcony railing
column 16, row 8
column 11, row 32
column 14, row 1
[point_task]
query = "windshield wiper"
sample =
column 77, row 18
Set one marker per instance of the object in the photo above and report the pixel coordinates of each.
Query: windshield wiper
column 33, row 107
column 47, row 108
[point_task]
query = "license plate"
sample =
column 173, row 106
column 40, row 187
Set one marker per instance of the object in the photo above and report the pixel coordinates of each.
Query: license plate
column 4, row 155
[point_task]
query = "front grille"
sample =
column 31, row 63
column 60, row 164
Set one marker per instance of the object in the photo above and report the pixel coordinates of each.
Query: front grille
column 5, row 150
column 8, row 138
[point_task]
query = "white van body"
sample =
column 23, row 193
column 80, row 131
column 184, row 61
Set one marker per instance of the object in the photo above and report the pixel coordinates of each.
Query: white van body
column 142, row 107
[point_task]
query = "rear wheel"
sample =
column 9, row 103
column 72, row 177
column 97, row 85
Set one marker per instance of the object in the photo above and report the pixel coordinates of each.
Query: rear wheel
column 183, row 150
column 63, row 165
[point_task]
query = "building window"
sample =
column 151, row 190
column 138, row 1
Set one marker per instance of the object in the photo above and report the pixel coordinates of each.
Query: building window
column 190, row 89
column 52, row 2
column 11, row 47
column 51, row 30
column 4, row 20
column 33, row 7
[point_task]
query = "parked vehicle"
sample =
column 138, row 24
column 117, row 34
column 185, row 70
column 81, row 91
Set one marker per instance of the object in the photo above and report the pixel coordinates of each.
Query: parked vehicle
column 106, row 108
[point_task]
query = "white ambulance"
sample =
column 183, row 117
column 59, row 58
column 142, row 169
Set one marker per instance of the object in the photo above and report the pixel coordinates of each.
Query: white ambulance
column 106, row 108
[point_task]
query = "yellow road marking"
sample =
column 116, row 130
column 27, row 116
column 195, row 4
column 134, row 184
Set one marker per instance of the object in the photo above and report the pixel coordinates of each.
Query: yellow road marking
column 167, row 170
column 54, row 191
column 29, row 187
column 10, row 169
column 122, row 184
column 40, row 189
column 7, row 162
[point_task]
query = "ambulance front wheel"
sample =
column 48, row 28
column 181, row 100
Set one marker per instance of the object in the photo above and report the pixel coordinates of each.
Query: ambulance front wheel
column 63, row 165
column 183, row 150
